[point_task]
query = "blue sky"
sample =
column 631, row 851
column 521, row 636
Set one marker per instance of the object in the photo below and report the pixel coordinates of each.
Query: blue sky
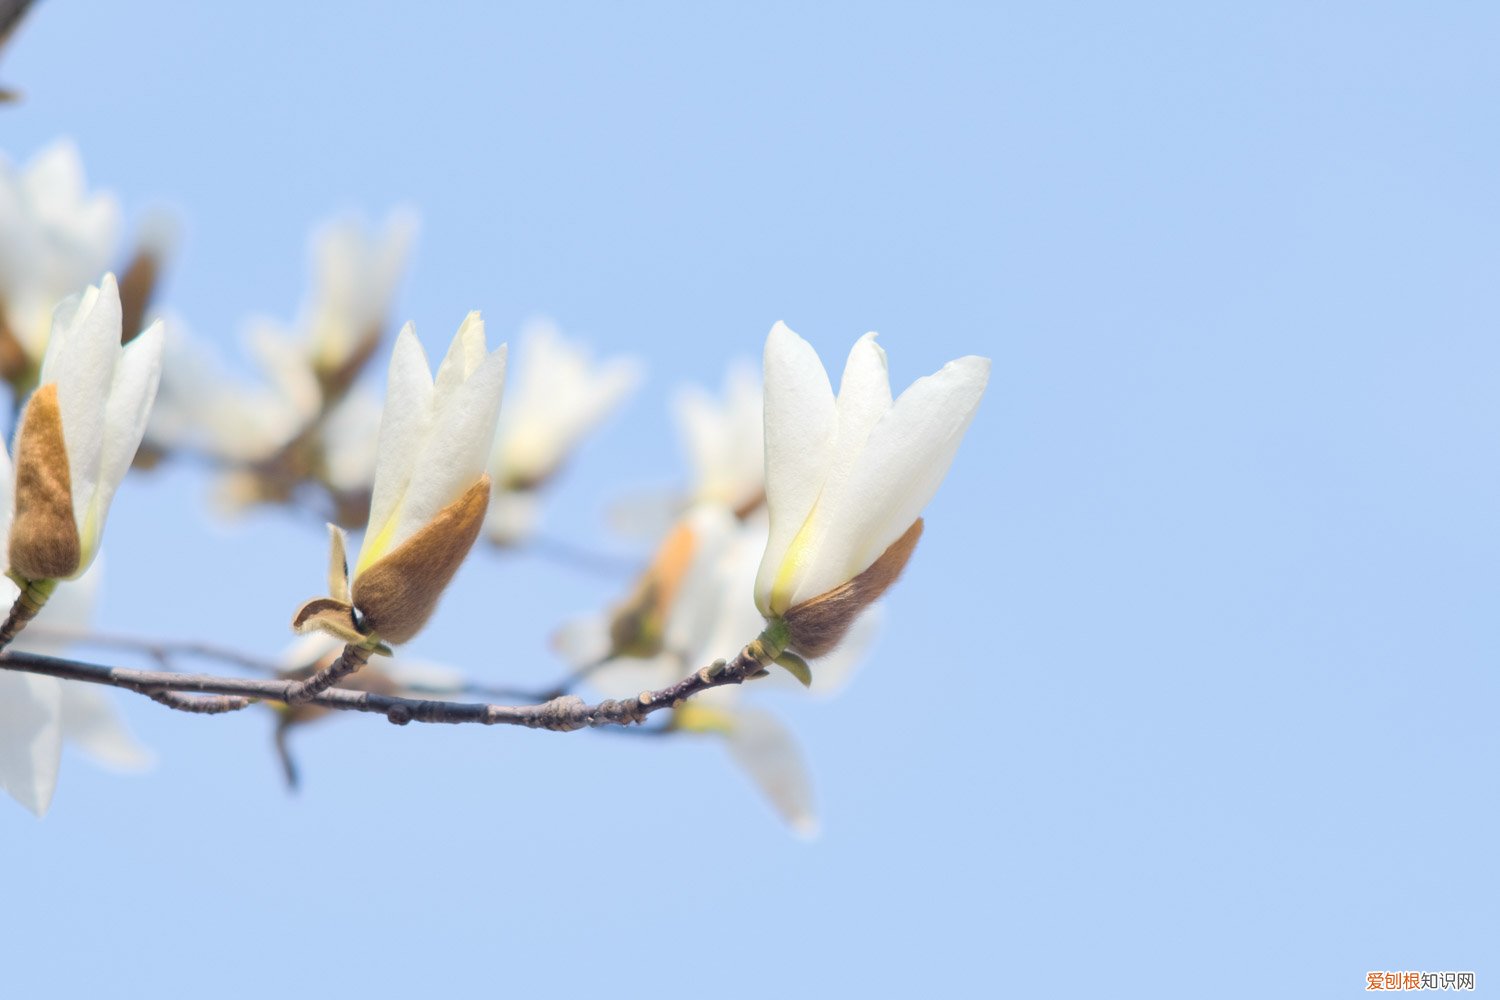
column 1191, row 685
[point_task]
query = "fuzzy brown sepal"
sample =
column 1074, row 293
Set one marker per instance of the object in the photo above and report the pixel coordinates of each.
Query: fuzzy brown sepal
column 816, row 626
column 44, row 542
column 324, row 614
column 398, row 594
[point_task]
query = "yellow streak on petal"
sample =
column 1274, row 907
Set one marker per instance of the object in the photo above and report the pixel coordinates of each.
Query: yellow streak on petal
column 376, row 547
column 792, row 566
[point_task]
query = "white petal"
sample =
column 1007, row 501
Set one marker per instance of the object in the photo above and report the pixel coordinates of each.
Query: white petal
column 90, row 722
column 800, row 423
column 457, row 448
column 465, row 355
column 905, row 459
column 54, row 178
column 83, row 366
column 30, row 738
column 404, row 426
column 125, row 416
column 725, row 439
column 864, row 397
column 285, row 365
column 306, row 650
column 351, row 440
column 557, row 396
column 768, row 753
column 698, row 612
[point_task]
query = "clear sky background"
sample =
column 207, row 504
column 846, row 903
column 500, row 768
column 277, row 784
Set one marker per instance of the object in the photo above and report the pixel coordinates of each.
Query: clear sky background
column 1191, row 687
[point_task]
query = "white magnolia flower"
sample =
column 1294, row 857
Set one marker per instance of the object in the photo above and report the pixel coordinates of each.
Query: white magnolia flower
column 559, row 395
column 430, row 490
column 846, row 478
column 704, row 574
column 55, row 238
column 38, row 713
column 725, row 441
column 78, row 434
column 356, row 276
column 307, row 370
column 201, row 405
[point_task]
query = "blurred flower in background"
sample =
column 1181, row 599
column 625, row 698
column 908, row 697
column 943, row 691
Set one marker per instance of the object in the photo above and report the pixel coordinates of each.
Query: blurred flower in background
column 38, row 714
column 694, row 606
column 557, row 395
column 305, row 422
column 725, row 441
column 56, row 237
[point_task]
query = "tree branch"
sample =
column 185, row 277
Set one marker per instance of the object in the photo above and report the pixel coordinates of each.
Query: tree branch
column 302, row 691
column 166, row 651
column 563, row 714
column 200, row 704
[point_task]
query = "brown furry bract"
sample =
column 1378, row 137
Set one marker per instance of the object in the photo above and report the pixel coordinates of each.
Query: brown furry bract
column 398, row 594
column 330, row 616
column 44, row 542
column 818, row 625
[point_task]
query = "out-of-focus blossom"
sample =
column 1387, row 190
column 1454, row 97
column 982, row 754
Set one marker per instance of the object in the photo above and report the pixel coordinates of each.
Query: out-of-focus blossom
column 725, row 441
column 349, row 451
column 138, row 281
column 55, row 238
column 304, row 423
column 357, row 271
column 78, row 434
column 558, row 395
column 691, row 607
column 430, row 491
column 38, row 714
column 846, row 479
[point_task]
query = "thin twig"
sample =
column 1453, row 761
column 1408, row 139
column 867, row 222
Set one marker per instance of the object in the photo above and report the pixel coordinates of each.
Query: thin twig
column 28, row 602
column 200, row 704
column 303, row 691
column 167, row 651
column 563, row 714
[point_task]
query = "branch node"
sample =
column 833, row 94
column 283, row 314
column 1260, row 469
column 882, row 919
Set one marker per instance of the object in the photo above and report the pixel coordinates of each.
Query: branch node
column 561, row 715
